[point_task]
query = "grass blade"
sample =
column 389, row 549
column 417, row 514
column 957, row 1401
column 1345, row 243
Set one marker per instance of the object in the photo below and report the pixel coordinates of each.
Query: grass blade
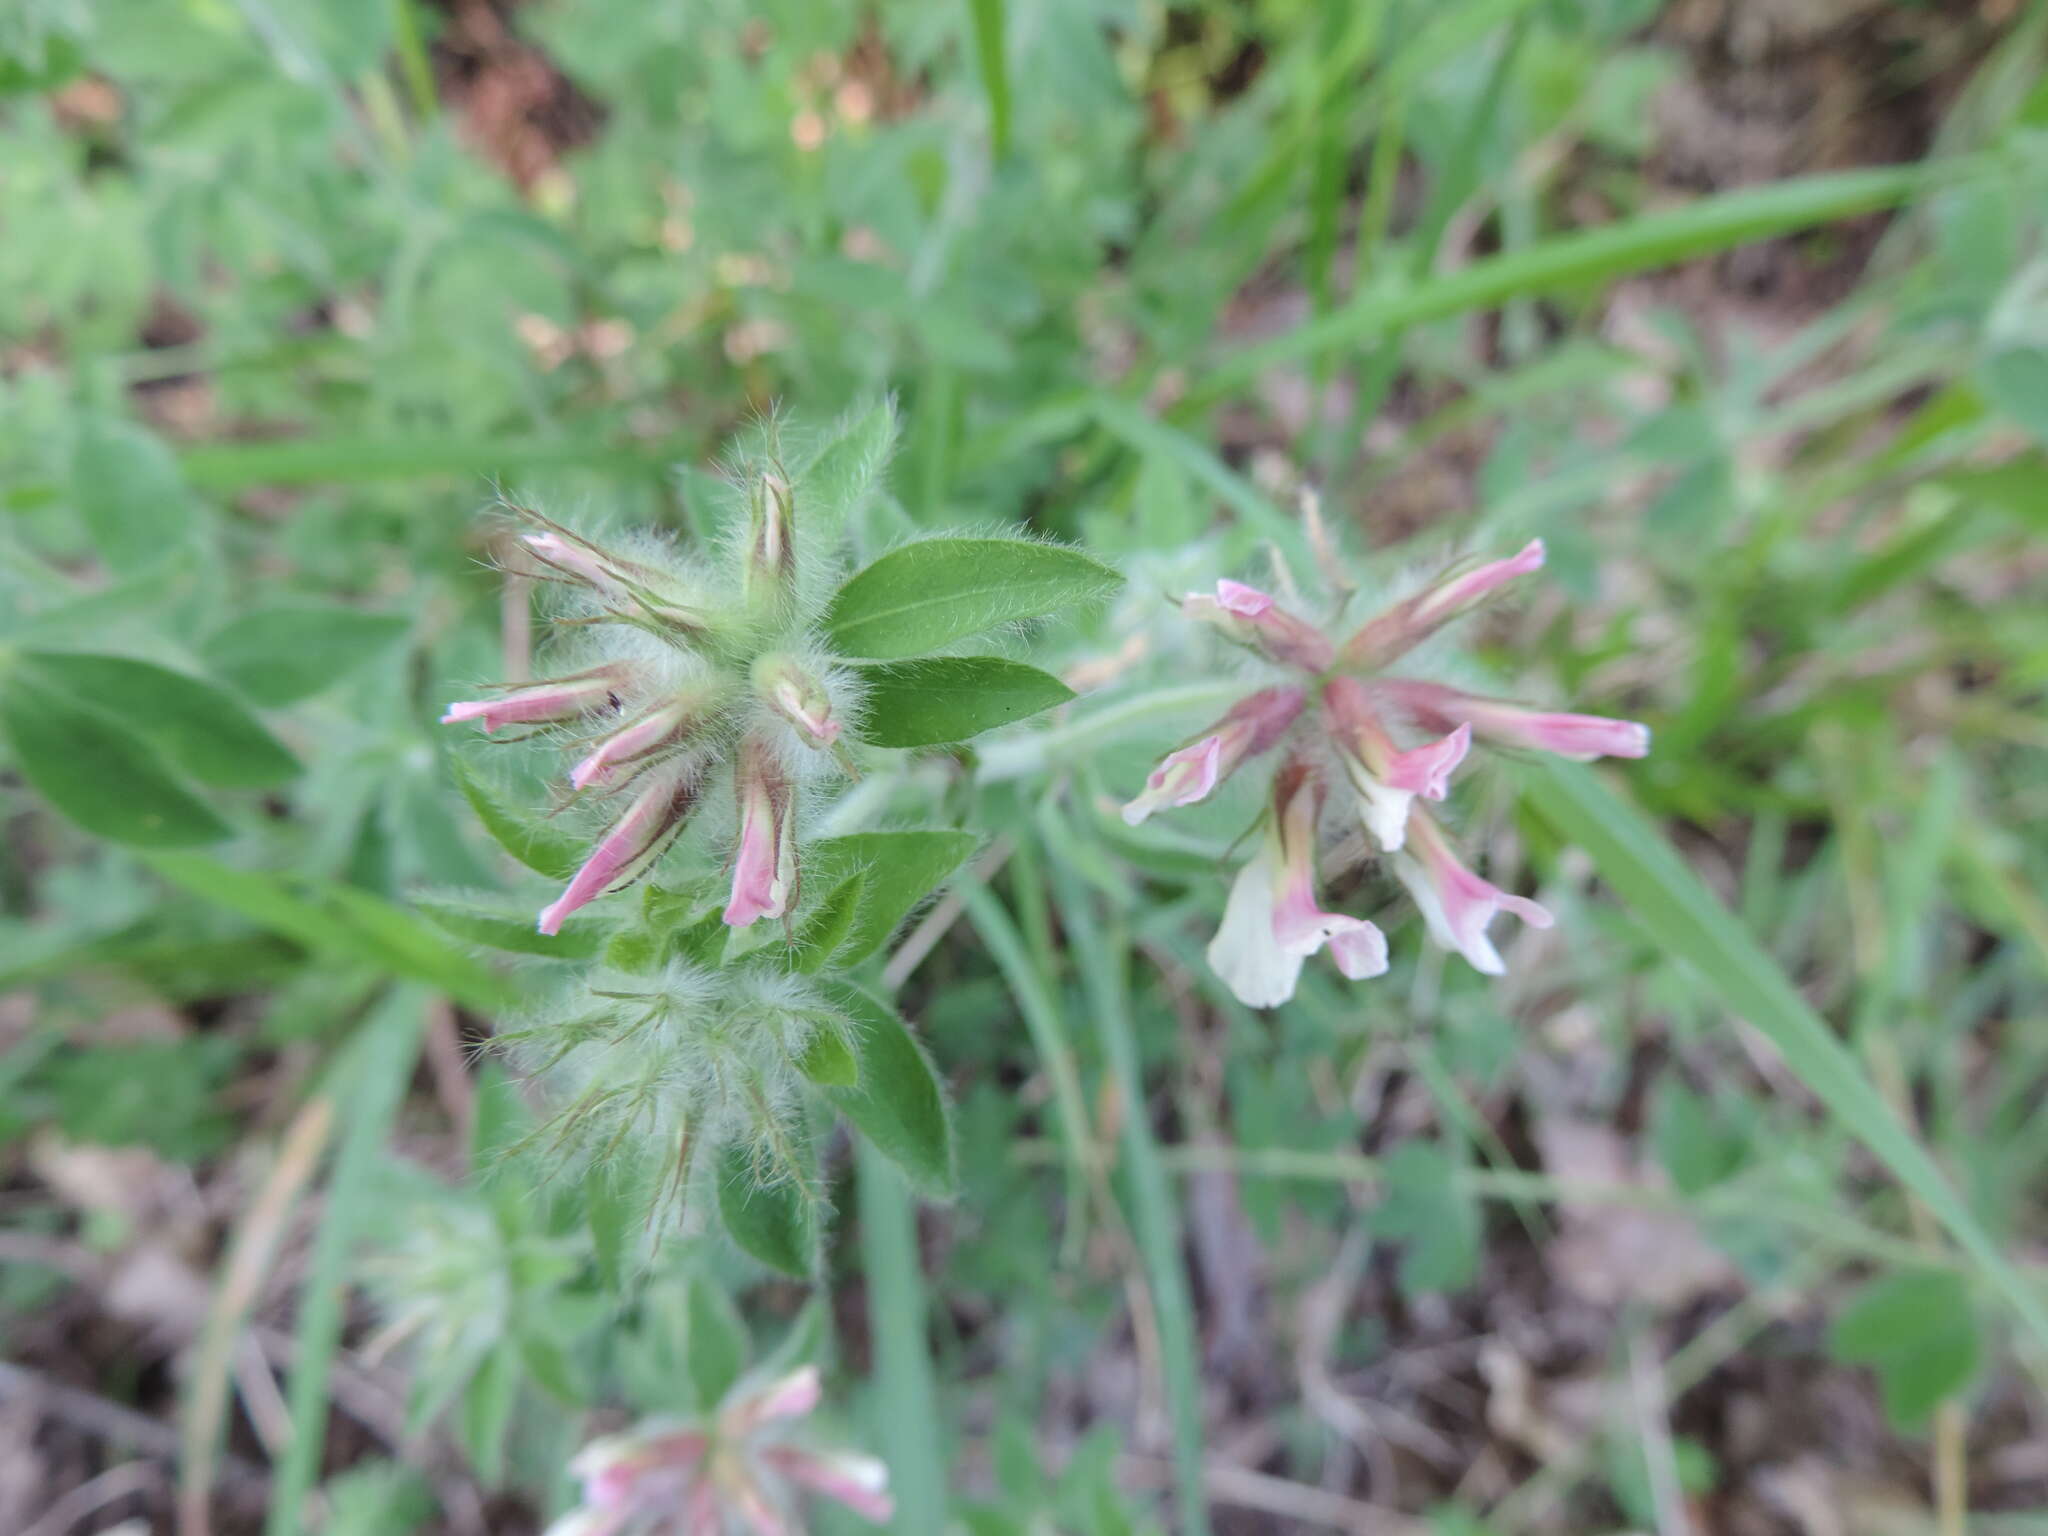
column 368, row 1084
column 1590, row 256
column 1103, row 951
column 995, row 79
column 908, row 1407
column 1672, row 905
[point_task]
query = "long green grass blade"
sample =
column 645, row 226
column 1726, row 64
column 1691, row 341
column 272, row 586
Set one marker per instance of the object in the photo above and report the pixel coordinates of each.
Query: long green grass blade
column 1591, row 256
column 1103, row 950
column 1672, row 905
column 908, row 1412
column 995, row 77
column 369, row 1080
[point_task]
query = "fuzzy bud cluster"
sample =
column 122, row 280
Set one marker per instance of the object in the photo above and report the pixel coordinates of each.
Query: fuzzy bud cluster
column 1357, row 746
column 697, row 682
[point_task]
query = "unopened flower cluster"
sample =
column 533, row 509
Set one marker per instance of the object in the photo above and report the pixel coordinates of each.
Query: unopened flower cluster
column 742, row 1468
column 1357, row 747
column 691, row 681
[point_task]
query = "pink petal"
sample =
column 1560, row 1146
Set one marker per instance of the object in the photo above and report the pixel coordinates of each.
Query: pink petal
column 655, row 813
column 858, row 1482
column 1426, row 770
column 1246, row 602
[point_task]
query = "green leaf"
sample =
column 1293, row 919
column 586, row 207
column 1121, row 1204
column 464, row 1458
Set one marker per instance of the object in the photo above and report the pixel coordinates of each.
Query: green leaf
column 827, row 928
column 579, row 939
column 897, row 1104
column 835, row 487
column 283, row 654
column 897, row 870
column 829, row 1061
column 108, row 780
column 1675, row 909
column 200, row 728
column 129, row 494
column 2016, row 381
column 950, row 698
column 546, row 850
column 926, row 595
column 995, row 81
column 1916, row 1331
column 485, row 1412
column 718, row 1344
column 771, row 1220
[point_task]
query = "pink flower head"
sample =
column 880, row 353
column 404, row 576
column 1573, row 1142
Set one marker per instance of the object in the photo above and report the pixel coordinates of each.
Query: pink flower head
column 1253, row 725
column 799, row 698
column 564, row 698
column 1457, row 905
column 1252, row 618
column 764, row 872
column 1579, row 737
column 1407, row 624
column 629, row 747
column 1271, row 922
column 1386, row 779
column 632, row 845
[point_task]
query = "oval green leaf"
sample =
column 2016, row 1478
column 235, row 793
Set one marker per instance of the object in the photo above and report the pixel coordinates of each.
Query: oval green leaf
column 283, row 654
column 926, row 595
column 105, row 778
column 897, row 1104
column 769, row 1220
column 897, row 870
column 202, row 729
column 942, row 699
column 544, row 849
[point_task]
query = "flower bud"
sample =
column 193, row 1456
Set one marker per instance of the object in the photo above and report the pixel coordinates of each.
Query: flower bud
column 1253, row 619
column 1579, row 737
column 661, row 729
column 799, row 698
column 1407, row 624
column 632, row 845
column 641, row 594
column 771, row 538
column 562, row 698
column 1253, row 724
column 764, row 872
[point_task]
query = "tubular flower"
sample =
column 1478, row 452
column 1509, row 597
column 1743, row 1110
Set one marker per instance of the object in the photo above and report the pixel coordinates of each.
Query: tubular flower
column 1455, row 903
column 656, row 732
column 636, row 840
column 1271, row 923
column 563, row 698
column 798, row 698
column 1382, row 743
column 771, row 537
column 1579, row 737
column 744, row 1465
column 1253, row 724
column 1254, row 619
column 764, row 871
column 1387, row 779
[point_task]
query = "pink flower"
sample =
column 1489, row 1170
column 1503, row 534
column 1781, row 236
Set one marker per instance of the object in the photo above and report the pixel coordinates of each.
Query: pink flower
column 1386, row 779
column 764, row 873
column 634, row 842
column 1252, row 618
column 665, row 726
column 1580, row 737
column 563, row 698
column 1271, row 922
column 1191, row 774
column 859, row 1482
column 1408, row 623
column 1457, row 905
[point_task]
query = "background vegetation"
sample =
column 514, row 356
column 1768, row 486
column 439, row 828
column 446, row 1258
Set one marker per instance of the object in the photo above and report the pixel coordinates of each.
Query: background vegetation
column 1720, row 1213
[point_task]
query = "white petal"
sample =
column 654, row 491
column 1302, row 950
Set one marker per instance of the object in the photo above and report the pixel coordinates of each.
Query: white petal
column 1245, row 953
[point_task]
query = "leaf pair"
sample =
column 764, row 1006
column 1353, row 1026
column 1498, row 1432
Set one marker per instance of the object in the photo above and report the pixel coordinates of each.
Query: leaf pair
column 924, row 596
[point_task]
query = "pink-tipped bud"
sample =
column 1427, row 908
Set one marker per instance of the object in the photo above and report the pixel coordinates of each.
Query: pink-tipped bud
column 574, row 559
column 1457, row 905
column 1191, row 774
column 1408, row 623
column 1253, row 619
column 786, row 1397
column 1579, row 737
column 799, row 698
column 565, row 698
column 764, row 870
column 634, row 842
column 631, row 746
